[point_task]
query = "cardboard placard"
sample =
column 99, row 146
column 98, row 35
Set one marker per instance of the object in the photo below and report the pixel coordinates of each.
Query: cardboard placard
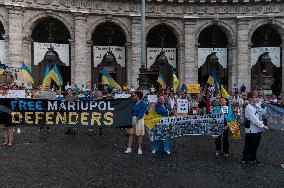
column 46, row 95
column 122, row 96
column 152, row 98
column 17, row 93
column 182, row 106
column 193, row 88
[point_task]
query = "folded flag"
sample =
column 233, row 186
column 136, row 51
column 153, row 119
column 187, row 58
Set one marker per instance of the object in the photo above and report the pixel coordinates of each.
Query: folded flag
column 108, row 80
column 56, row 76
column 27, row 74
column 235, row 129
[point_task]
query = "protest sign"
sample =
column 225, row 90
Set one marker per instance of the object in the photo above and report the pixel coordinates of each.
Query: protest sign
column 122, row 96
column 152, row 98
column 34, row 112
column 17, row 93
column 182, row 106
column 275, row 117
column 176, row 126
column 193, row 88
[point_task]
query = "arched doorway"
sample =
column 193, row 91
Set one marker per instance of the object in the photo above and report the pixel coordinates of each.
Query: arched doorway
column 162, row 53
column 266, row 71
column 213, row 54
column 109, row 52
column 50, row 47
column 2, row 44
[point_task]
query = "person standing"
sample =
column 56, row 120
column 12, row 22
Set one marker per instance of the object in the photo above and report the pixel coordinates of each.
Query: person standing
column 138, row 110
column 253, row 128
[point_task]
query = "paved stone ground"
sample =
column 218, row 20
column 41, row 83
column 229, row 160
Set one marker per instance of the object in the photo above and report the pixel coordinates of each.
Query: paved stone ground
column 58, row 160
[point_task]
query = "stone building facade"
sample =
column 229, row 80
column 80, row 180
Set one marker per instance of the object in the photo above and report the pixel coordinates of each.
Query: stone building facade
column 238, row 19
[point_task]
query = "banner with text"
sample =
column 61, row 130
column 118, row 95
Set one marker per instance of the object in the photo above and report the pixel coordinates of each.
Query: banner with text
column 176, row 126
column 100, row 51
column 40, row 50
column 273, row 52
column 33, row 112
column 275, row 117
column 170, row 53
column 221, row 53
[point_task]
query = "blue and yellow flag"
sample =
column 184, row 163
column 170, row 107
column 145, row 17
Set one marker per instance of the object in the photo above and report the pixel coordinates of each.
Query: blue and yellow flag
column 161, row 81
column 224, row 92
column 175, row 82
column 56, row 76
column 108, row 80
column 46, row 79
column 27, row 74
column 213, row 81
column 3, row 69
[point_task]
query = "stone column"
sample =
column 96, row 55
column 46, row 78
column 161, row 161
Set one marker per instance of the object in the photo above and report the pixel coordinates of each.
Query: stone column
column 82, row 72
column 27, row 45
column 232, row 67
column 282, row 93
column 191, row 63
column 180, row 64
column 6, row 37
column 136, row 50
column 128, row 63
column 72, row 61
column 15, row 17
column 243, row 66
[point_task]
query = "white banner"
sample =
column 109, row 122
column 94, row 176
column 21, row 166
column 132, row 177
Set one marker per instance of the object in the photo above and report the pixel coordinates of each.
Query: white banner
column 182, row 106
column 274, row 53
column 221, row 53
column 100, row 51
column 170, row 53
column 2, row 51
column 122, row 96
column 40, row 50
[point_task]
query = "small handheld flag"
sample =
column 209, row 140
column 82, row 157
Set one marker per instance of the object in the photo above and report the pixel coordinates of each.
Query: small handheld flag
column 224, row 92
column 161, row 81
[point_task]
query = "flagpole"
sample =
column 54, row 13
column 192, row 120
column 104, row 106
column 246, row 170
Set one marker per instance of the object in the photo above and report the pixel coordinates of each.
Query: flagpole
column 143, row 78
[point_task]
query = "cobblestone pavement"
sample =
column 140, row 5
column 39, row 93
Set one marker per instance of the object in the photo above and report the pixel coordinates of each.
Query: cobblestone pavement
column 42, row 159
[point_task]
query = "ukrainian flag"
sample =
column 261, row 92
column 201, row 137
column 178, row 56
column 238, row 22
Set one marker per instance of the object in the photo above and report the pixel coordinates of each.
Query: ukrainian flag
column 161, row 81
column 27, row 74
column 108, row 80
column 213, row 81
column 55, row 75
column 175, row 82
column 224, row 92
column 3, row 69
column 46, row 79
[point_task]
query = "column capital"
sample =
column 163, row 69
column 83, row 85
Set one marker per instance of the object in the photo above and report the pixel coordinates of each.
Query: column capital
column 90, row 43
column 80, row 16
column 15, row 9
column 27, row 40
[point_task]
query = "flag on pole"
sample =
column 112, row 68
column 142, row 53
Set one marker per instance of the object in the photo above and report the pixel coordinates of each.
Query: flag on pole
column 161, row 81
column 3, row 69
column 56, row 76
column 108, row 80
column 224, row 92
column 27, row 74
column 175, row 82
column 213, row 81
column 46, row 79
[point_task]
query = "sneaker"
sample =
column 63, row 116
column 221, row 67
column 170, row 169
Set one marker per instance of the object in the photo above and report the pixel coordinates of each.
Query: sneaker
column 168, row 152
column 226, row 155
column 90, row 133
column 19, row 131
column 245, row 163
column 47, row 129
column 153, row 151
column 40, row 129
column 217, row 153
column 128, row 150
column 139, row 151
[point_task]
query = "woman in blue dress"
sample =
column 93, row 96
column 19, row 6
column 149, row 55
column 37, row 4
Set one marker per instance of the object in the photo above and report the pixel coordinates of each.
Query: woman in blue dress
column 162, row 108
